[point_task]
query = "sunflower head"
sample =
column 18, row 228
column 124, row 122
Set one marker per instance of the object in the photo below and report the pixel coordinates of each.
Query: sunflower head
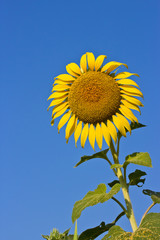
column 94, row 101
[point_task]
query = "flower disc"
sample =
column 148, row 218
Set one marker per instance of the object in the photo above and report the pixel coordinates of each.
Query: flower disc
column 94, row 97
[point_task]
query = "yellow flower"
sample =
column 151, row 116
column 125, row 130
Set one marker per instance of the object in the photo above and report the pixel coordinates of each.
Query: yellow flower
column 94, row 101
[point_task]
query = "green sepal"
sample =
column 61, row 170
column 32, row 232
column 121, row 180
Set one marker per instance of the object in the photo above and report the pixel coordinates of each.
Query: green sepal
column 111, row 184
column 92, row 198
column 148, row 229
column 135, row 178
column 116, row 165
column 135, row 125
column 92, row 233
column 155, row 196
column 139, row 158
column 101, row 154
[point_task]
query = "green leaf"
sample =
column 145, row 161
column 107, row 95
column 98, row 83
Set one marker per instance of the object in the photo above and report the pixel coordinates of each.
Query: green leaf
column 92, row 198
column 140, row 158
column 92, row 233
column 148, row 229
column 45, row 236
column 101, row 154
column 111, row 184
column 70, row 237
column 154, row 195
column 117, row 233
column 135, row 178
column 116, row 166
column 135, row 125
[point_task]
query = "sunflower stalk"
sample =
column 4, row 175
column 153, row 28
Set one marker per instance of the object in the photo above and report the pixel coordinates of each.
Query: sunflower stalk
column 129, row 212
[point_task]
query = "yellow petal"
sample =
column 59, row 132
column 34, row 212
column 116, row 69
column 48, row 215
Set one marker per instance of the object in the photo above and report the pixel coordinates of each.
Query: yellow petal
column 106, row 134
column 59, row 107
column 127, row 113
column 99, row 137
column 99, row 61
column 117, row 121
column 124, row 122
column 63, row 120
column 127, row 81
column 130, row 94
column 78, row 132
column 70, row 126
column 132, row 90
column 92, row 135
column 91, row 60
column 65, row 77
column 112, row 66
column 60, row 87
column 58, row 94
column 83, row 63
column 60, row 112
column 68, row 69
column 132, row 100
column 74, row 68
column 57, row 101
column 125, row 75
column 131, row 105
column 84, row 135
column 58, row 81
column 112, row 130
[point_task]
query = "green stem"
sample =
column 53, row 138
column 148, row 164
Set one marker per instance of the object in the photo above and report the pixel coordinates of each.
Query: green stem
column 130, row 213
column 149, row 208
column 119, row 203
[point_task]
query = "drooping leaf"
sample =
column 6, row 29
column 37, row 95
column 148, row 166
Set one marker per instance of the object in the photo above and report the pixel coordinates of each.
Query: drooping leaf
column 135, row 125
column 135, row 178
column 148, row 229
column 92, row 198
column 116, row 166
column 92, row 233
column 139, row 158
column 154, row 195
column 101, row 154
column 111, row 184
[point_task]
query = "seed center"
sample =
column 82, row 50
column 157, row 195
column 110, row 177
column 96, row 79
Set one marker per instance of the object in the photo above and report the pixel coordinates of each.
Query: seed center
column 94, row 97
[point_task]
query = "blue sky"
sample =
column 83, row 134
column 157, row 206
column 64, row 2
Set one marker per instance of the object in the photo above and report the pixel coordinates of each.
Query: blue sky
column 38, row 184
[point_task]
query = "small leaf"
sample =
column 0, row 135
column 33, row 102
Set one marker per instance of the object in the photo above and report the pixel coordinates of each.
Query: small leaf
column 148, row 229
column 116, row 166
column 154, row 195
column 101, row 154
column 111, row 184
column 92, row 198
column 135, row 178
column 140, row 158
column 92, row 233
column 70, row 237
column 45, row 236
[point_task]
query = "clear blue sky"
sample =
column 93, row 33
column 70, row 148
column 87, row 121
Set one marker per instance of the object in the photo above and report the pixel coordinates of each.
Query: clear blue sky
column 38, row 184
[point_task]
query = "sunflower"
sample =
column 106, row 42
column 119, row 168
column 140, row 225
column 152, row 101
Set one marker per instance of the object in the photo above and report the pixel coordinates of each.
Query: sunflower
column 94, row 100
